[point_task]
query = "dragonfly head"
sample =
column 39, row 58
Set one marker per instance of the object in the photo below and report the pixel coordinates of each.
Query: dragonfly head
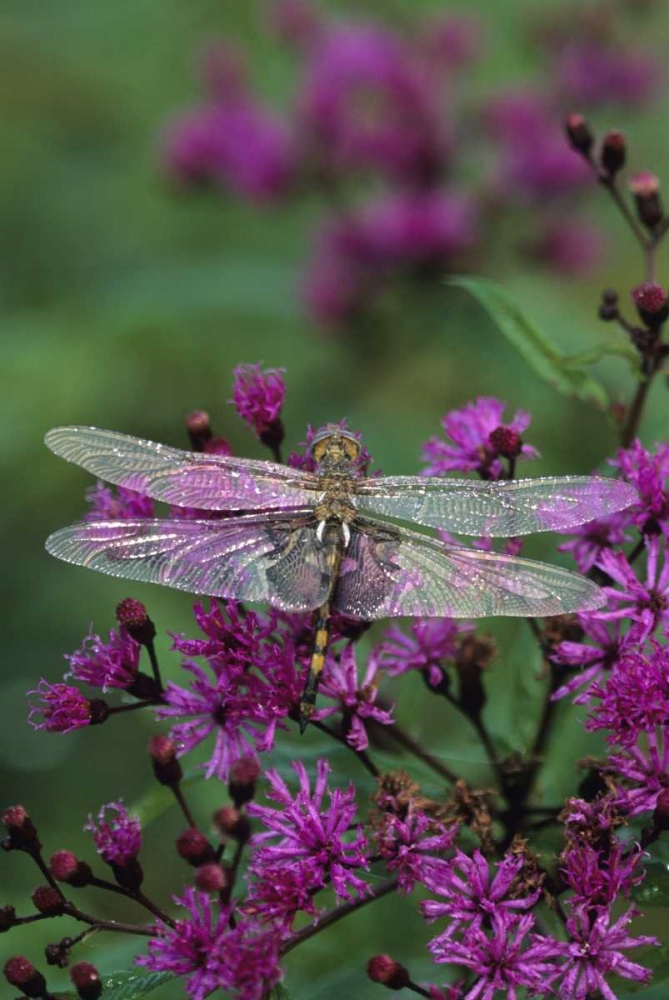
column 335, row 449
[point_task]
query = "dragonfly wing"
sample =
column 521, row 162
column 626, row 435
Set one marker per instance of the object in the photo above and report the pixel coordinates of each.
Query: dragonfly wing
column 273, row 558
column 390, row 571
column 504, row 508
column 183, row 478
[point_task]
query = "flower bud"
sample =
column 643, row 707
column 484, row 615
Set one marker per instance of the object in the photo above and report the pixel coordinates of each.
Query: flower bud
column 212, row 877
column 166, row 767
column 646, row 190
column 58, row 953
column 20, row 973
column 385, row 970
column 66, row 867
column 193, row 847
column 613, row 153
column 243, row 777
column 7, row 918
column 132, row 615
column 608, row 309
column 579, row 133
column 21, row 830
column 86, row 980
column 199, row 429
column 232, row 824
column 652, row 303
column 129, row 875
column 661, row 814
column 506, row 442
column 48, row 900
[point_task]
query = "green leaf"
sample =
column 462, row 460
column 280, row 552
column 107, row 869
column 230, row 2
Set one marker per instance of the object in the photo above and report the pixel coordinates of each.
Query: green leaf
column 279, row 993
column 130, row 985
column 532, row 344
column 654, row 890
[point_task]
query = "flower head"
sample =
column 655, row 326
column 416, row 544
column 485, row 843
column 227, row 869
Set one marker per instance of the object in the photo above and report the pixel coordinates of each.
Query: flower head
column 115, row 504
column 602, row 648
column 649, row 474
column 355, row 700
column 204, row 945
column 117, row 835
column 595, row 950
column 427, row 646
column 63, row 708
column 589, row 541
column 470, row 447
column 412, row 846
column 112, row 664
column 258, row 396
column 642, row 773
column 645, row 602
column 309, row 835
column 635, row 698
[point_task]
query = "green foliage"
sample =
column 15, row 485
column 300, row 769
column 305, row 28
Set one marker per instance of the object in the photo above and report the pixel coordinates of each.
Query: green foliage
column 130, row 985
column 562, row 372
column 654, row 890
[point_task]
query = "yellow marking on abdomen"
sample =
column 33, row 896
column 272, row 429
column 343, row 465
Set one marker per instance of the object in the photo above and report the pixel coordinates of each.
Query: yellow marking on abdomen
column 317, row 663
column 321, row 639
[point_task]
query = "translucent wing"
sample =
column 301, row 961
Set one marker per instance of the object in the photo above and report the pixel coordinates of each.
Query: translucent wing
column 391, row 571
column 249, row 557
column 511, row 508
column 184, row 478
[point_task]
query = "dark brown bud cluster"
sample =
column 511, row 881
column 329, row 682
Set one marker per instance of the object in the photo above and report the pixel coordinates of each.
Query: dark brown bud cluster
column 387, row 972
column 645, row 188
column 21, row 973
column 579, row 133
column 48, row 900
column 22, row 835
column 193, row 847
column 166, row 767
column 86, row 981
column 134, row 618
column 66, row 867
column 232, row 824
column 613, row 153
column 243, row 777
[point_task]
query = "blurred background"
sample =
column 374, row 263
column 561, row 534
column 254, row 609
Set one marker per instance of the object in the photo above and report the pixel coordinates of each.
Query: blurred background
column 188, row 186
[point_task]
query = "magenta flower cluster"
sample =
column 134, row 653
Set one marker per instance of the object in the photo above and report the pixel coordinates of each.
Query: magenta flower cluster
column 383, row 112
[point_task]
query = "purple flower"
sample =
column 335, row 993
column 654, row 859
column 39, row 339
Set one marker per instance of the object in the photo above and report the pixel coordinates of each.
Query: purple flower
column 408, row 846
column 366, row 102
column 428, row 644
column 500, row 958
column 310, row 836
column 231, row 633
column 591, row 74
column 594, row 660
column 472, row 895
column 112, row 664
column 63, row 708
column 571, row 247
column 450, row 43
column 118, row 503
column 231, row 704
column 635, row 699
column 647, row 602
column 597, row 877
column 258, row 397
column 280, row 892
column 242, row 960
column 595, row 537
column 118, row 837
column 594, row 951
column 190, row 147
column 354, row 700
column 471, row 449
column 294, row 21
column 649, row 474
column 645, row 770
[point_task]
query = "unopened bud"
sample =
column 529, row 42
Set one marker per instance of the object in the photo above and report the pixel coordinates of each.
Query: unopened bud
column 646, row 190
column 506, row 442
column 212, row 878
column 58, row 953
column 21, row 830
column 66, row 867
column 133, row 616
column 652, row 303
column 199, row 429
column 7, row 918
column 130, row 875
column 193, row 847
column 86, row 980
column 579, row 133
column 613, row 153
column 232, row 824
column 48, row 900
column 243, row 777
column 21, row 973
column 385, row 970
column 166, row 767
column 608, row 309
column 661, row 814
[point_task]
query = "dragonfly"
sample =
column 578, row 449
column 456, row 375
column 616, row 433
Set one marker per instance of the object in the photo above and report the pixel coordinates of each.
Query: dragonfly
column 331, row 539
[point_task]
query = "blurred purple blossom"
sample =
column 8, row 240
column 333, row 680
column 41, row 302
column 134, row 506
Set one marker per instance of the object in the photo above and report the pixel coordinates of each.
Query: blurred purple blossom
column 116, row 503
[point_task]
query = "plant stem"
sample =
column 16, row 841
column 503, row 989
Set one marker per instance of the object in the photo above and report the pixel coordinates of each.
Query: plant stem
column 337, row 914
column 183, row 805
column 151, row 650
column 362, row 755
column 414, row 747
